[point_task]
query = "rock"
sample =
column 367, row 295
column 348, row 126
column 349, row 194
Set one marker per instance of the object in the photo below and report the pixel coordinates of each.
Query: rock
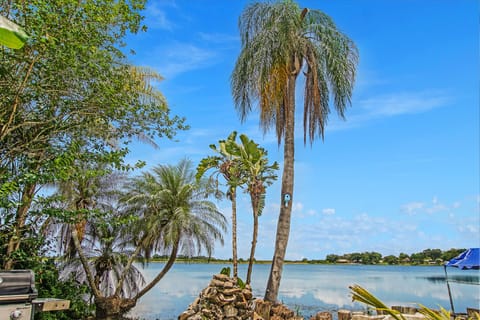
column 230, row 311
column 282, row 311
column 232, row 291
column 227, row 298
column 221, row 277
column 256, row 316
column 217, row 283
column 247, row 294
column 324, row 315
column 186, row 314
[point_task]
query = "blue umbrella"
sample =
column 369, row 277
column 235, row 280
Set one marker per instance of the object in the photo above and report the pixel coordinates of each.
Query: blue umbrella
column 469, row 259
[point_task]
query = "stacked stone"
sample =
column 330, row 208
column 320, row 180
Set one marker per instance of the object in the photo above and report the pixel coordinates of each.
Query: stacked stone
column 266, row 311
column 222, row 299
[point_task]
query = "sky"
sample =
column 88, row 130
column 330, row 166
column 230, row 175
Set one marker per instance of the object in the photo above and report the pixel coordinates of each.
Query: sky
column 401, row 174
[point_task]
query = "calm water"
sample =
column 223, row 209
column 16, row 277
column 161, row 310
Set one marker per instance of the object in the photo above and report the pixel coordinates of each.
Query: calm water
column 313, row 288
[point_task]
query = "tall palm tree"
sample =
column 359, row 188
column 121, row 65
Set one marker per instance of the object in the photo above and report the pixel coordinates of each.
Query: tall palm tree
column 226, row 165
column 259, row 175
column 175, row 215
column 280, row 41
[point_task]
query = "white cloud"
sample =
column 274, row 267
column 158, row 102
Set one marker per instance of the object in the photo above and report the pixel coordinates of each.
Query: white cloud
column 364, row 111
column 403, row 103
column 412, row 207
column 156, row 17
column 435, row 207
column 328, row 211
column 219, row 38
column 183, row 57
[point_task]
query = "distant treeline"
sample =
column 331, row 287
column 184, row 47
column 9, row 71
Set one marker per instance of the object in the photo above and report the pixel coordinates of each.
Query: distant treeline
column 427, row 256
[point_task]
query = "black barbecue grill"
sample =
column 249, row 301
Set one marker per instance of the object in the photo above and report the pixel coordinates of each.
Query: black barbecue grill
column 17, row 291
column 18, row 296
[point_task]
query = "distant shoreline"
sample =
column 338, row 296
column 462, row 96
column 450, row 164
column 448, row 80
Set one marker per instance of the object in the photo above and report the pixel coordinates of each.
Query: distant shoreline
column 427, row 257
column 290, row 262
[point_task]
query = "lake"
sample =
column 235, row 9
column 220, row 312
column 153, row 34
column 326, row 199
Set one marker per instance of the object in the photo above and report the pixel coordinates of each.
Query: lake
column 311, row 288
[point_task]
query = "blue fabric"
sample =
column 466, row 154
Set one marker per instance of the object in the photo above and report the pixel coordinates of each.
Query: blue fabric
column 469, row 259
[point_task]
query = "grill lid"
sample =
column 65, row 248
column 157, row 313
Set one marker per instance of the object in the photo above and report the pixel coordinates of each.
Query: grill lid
column 17, row 285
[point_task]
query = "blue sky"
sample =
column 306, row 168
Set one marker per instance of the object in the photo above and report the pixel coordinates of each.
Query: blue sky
column 401, row 174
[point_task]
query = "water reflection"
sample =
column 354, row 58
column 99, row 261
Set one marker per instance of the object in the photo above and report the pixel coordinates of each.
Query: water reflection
column 467, row 279
column 312, row 288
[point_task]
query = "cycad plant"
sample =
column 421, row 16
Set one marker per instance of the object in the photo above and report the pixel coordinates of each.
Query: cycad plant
column 364, row 296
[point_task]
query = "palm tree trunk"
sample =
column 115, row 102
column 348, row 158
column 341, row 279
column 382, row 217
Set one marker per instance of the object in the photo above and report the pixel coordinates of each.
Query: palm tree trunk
column 163, row 272
column 21, row 217
column 283, row 226
column 86, row 268
column 254, row 238
column 118, row 288
column 234, row 234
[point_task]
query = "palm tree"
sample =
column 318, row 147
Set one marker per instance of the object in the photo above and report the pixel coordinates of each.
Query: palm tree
column 259, row 175
column 80, row 195
column 174, row 213
column 279, row 42
column 165, row 210
column 226, row 165
column 104, row 249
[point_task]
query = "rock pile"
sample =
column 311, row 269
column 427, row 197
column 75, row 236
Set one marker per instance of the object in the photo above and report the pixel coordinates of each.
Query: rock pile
column 266, row 311
column 222, row 299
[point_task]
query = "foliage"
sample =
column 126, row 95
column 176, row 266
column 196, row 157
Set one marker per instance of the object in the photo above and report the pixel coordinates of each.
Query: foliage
column 364, row 296
column 427, row 256
column 242, row 165
column 277, row 40
column 50, row 286
column 225, row 165
column 240, row 283
column 172, row 206
column 164, row 210
column 11, row 35
column 32, row 255
column 225, row 271
column 69, row 97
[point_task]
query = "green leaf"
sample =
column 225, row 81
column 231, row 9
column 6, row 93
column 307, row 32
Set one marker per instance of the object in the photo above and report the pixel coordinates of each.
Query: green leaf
column 11, row 35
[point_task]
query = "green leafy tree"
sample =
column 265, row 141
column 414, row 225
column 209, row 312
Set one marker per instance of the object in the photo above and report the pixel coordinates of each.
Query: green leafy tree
column 403, row 257
column 332, row 258
column 226, row 165
column 390, row 259
column 451, row 253
column 279, row 42
column 433, row 254
column 69, row 95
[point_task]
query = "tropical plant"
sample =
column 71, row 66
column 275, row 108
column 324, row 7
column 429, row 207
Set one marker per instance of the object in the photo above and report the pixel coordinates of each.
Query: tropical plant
column 173, row 215
column 226, row 165
column 106, row 250
column 258, row 176
column 279, row 42
column 364, row 296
